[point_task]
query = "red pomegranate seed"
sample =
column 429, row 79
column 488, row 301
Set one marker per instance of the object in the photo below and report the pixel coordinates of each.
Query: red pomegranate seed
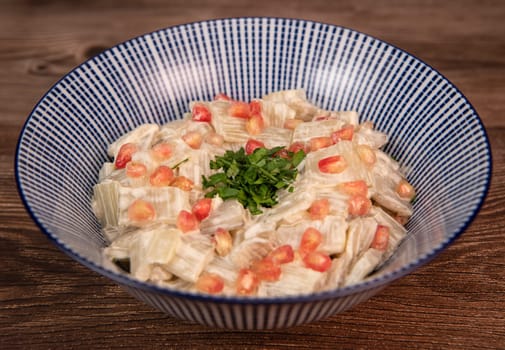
column 210, row 283
column 201, row 208
column 161, row 176
column 161, row 151
column 267, row 270
column 405, row 190
column 124, row 155
column 141, row 211
column 252, row 144
column 186, row 221
column 183, row 183
column 292, row 123
column 222, row 242
column 332, row 164
column 240, row 109
column 135, row 169
column 359, row 205
column 311, row 239
column 282, row 255
column 200, row 113
column 344, row 134
column 367, row 155
column 317, row 143
column 353, row 188
column 193, row 139
column 255, row 125
column 247, row 282
column 381, row 238
column 317, row 261
column 319, row 209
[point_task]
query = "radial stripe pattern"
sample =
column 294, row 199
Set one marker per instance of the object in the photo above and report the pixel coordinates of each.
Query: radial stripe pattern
column 434, row 132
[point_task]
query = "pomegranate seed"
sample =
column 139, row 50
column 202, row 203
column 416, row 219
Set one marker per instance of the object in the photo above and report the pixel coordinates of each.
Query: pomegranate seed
column 344, row 134
column 317, row 143
column 222, row 242
column 135, row 170
column 222, row 97
column 247, row 282
column 141, row 211
column 210, row 283
column 402, row 220
column 282, row 153
column 317, row 261
column 125, row 155
column 282, row 255
column 292, row 123
column 405, row 190
column 201, row 208
column 240, row 109
column 161, row 151
column 214, row 138
column 353, row 188
column 319, row 209
column 381, row 238
column 200, row 113
column 186, row 221
column 332, row 164
column 319, row 118
column 311, row 239
column 183, row 183
column 255, row 107
column 298, row 146
column 252, row 144
column 161, row 176
column 359, row 205
column 255, row 125
column 267, row 270
column 366, row 154
column 193, row 139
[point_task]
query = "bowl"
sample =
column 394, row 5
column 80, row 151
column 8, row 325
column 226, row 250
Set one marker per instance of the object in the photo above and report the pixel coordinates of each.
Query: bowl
column 434, row 132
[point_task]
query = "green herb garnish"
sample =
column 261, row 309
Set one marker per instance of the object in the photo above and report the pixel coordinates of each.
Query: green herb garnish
column 179, row 164
column 253, row 179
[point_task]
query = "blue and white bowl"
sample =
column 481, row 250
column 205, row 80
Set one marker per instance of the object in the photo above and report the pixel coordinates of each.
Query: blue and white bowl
column 434, row 131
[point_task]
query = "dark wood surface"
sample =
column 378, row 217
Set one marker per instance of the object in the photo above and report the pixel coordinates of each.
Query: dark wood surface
column 48, row 300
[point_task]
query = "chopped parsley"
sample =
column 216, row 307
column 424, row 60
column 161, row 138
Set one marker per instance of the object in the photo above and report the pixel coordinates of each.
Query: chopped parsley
column 253, row 179
column 180, row 163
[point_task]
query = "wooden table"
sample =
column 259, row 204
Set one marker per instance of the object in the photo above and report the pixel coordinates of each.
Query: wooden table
column 48, row 300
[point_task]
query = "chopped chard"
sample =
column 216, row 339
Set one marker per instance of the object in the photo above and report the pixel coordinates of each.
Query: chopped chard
column 267, row 197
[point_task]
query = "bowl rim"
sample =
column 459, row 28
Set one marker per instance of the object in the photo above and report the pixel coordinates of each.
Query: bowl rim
column 368, row 284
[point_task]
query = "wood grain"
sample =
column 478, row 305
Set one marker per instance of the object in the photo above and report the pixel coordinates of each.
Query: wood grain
column 48, row 300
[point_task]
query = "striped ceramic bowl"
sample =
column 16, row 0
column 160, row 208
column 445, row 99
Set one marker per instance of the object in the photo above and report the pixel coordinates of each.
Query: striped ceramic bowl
column 434, row 131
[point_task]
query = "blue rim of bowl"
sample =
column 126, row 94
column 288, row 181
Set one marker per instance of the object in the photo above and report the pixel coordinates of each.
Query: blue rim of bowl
column 369, row 284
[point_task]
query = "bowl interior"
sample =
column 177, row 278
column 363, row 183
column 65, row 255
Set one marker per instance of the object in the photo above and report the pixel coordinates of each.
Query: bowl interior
column 434, row 131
